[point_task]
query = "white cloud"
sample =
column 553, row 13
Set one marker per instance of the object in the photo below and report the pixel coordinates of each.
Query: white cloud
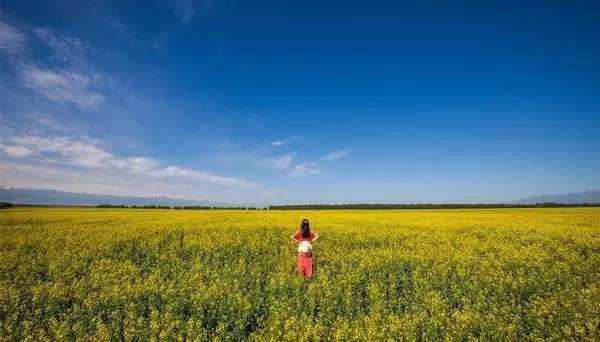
column 42, row 120
column 61, row 73
column 47, row 123
column 336, row 155
column 64, row 48
column 86, row 157
column 304, row 169
column 70, row 80
column 286, row 163
column 283, row 141
column 283, row 162
column 140, row 164
column 80, row 153
column 57, row 177
column 62, row 86
column 178, row 172
column 16, row 151
column 12, row 41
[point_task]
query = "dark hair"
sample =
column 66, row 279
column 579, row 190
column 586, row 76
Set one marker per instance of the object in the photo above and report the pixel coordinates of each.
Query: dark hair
column 305, row 228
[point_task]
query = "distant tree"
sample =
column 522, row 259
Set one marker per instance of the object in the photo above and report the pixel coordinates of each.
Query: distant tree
column 5, row 205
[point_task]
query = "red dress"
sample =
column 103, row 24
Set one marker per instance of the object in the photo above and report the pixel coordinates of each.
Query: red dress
column 305, row 261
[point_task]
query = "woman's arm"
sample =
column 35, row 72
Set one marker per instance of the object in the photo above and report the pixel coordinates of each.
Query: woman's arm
column 293, row 237
column 315, row 237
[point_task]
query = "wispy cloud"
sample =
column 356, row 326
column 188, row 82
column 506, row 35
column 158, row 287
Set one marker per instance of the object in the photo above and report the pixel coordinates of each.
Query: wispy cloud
column 64, row 48
column 88, row 157
column 57, row 68
column 189, row 174
column 304, row 169
column 336, row 155
column 70, row 80
column 283, row 162
column 65, row 150
column 15, row 151
column 62, row 86
column 292, row 168
column 46, row 123
column 12, row 41
column 281, row 142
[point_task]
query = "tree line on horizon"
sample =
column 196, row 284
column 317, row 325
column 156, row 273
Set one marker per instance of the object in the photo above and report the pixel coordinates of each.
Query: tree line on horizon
column 5, row 205
column 366, row 206
column 193, row 207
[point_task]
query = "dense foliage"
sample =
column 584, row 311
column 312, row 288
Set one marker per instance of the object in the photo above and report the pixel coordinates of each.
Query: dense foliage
column 101, row 274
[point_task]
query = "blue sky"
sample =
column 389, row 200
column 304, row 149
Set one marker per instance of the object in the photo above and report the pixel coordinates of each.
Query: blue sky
column 295, row 102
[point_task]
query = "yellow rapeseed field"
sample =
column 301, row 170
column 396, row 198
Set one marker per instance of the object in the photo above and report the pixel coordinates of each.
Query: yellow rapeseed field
column 118, row 274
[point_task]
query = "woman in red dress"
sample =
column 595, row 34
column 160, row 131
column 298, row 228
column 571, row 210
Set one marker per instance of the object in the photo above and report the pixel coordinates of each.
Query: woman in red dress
column 305, row 260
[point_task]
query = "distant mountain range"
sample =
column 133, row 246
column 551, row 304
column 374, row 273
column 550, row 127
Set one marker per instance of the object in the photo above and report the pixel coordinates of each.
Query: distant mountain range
column 54, row 197
column 579, row 197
